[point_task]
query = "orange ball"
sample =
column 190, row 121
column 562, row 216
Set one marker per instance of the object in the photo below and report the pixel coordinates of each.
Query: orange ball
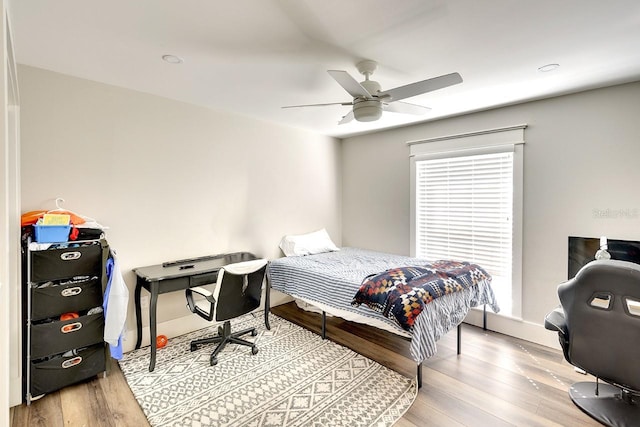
column 161, row 341
column 69, row 316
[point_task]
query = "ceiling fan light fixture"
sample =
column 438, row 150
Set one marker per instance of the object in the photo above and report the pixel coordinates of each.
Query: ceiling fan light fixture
column 367, row 110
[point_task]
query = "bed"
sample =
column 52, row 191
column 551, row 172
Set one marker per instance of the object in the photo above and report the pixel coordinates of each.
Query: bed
column 330, row 280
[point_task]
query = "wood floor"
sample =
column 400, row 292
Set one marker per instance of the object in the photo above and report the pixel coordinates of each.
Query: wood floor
column 496, row 381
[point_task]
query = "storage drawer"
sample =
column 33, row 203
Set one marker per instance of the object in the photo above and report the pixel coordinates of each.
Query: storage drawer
column 51, row 301
column 58, row 337
column 61, row 371
column 55, row 264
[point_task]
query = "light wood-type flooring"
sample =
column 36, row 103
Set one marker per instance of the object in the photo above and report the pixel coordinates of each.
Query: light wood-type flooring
column 496, row 381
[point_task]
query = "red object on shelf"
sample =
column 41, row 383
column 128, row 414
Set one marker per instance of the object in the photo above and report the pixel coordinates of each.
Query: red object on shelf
column 161, row 341
column 74, row 233
column 69, row 316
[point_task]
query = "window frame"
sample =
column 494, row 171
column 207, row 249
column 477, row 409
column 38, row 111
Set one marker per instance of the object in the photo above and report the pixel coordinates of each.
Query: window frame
column 482, row 142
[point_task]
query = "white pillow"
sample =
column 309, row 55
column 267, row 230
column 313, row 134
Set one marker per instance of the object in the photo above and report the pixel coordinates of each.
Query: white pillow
column 307, row 244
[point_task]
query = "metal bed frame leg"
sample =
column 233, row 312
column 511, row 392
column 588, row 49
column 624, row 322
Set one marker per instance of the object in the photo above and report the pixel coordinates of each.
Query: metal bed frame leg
column 324, row 325
column 459, row 350
column 484, row 317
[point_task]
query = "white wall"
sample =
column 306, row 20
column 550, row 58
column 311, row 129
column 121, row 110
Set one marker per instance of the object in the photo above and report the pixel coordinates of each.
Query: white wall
column 581, row 154
column 171, row 180
column 10, row 273
column 10, row 393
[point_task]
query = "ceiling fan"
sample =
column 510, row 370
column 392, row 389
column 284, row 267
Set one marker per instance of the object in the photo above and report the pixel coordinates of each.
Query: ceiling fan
column 369, row 101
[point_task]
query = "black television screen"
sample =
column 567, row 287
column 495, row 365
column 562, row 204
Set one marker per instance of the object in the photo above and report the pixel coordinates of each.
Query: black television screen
column 582, row 250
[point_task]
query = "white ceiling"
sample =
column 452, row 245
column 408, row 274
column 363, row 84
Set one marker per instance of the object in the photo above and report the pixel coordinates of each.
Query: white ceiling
column 255, row 56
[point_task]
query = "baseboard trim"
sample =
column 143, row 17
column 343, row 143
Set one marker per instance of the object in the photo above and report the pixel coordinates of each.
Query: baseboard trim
column 170, row 328
column 516, row 328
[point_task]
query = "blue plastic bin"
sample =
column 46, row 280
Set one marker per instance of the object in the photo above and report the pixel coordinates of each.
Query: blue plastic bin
column 52, row 233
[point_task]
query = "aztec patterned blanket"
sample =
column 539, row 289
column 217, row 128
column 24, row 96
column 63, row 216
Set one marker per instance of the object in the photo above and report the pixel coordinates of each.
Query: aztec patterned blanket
column 401, row 293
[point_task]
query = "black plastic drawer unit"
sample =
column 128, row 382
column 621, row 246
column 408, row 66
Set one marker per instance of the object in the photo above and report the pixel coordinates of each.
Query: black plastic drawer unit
column 83, row 293
column 60, row 336
column 62, row 370
column 56, row 264
column 63, row 317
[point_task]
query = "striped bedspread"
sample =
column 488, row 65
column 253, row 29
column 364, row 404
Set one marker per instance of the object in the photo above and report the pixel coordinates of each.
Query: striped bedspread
column 333, row 278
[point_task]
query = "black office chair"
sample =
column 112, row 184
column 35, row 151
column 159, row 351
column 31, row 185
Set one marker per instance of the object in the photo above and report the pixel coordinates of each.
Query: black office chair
column 598, row 324
column 237, row 292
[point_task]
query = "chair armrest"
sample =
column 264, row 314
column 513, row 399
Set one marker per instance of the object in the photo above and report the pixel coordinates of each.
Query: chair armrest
column 555, row 321
column 191, row 304
column 204, row 292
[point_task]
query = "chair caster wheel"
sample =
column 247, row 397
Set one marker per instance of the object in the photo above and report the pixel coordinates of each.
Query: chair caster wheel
column 213, row 361
column 254, row 350
column 193, row 347
column 254, row 333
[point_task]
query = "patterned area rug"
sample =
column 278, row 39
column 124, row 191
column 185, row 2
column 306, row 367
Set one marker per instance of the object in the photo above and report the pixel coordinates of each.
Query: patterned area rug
column 296, row 379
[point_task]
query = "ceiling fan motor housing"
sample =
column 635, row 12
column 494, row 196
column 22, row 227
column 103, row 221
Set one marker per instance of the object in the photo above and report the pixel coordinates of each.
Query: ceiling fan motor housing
column 372, row 86
column 368, row 109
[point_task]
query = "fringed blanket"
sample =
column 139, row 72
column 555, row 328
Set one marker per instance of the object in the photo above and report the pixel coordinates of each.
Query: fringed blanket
column 401, row 293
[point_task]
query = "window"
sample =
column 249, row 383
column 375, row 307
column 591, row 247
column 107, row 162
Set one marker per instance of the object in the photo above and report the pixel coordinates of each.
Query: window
column 466, row 205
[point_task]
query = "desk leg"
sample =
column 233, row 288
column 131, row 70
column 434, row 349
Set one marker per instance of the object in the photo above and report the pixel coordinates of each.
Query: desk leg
column 267, row 305
column 152, row 324
column 138, row 314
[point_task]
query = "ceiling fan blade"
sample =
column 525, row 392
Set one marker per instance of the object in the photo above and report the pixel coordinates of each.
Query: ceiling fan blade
column 349, row 84
column 406, row 108
column 421, row 87
column 318, row 105
column 347, row 118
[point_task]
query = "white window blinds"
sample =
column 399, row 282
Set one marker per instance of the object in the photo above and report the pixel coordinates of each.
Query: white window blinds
column 464, row 211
